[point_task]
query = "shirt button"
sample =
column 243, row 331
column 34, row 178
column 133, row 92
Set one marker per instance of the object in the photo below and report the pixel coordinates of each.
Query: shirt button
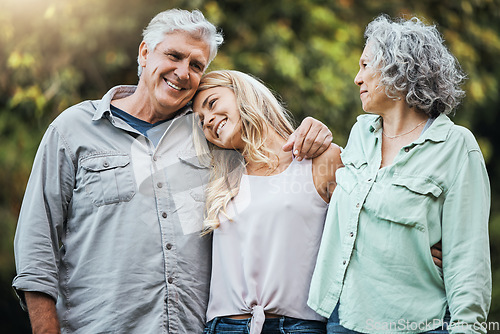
column 155, row 158
column 357, row 205
column 168, row 246
column 105, row 164
column 351, row 234
column 164, row 215
column 170, row 280
column 369, row 180
column 344, row 262
column 407, row 149
column 159, row 185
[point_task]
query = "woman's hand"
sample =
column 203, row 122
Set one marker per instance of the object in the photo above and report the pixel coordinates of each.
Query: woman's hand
column 309, row 140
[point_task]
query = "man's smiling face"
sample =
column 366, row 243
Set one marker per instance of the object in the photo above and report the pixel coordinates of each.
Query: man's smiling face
column 172, row 71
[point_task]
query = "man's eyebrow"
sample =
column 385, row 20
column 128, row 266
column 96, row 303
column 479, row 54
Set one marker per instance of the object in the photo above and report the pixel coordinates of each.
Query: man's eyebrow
column 173, row 51
column 183, row 55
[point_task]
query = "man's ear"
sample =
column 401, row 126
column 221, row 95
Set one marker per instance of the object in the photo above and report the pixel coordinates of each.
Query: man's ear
column 143, row 53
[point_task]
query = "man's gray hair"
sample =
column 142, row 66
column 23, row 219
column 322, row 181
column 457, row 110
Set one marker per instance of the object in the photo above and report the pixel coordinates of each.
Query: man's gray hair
column 180, row 20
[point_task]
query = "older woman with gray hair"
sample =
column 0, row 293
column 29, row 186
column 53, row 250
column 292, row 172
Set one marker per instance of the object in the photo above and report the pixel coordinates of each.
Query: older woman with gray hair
column 411, row 178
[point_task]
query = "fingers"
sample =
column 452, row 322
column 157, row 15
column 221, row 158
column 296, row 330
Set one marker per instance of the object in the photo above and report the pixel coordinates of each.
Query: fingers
column 312, row 139
column 321, row 143
column 301, row 140
column 437, row 262
column 437, row 254
column 289, row 144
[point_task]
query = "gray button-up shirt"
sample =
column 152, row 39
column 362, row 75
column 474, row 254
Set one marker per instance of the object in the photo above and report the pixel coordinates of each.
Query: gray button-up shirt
column 110, row 225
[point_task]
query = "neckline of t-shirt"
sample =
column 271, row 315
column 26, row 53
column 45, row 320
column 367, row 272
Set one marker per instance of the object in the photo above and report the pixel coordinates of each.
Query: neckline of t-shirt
column 280, row 173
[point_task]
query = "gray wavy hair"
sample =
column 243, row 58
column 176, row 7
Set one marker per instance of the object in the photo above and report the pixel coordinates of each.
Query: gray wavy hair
column 175, row 19
column 414, row 62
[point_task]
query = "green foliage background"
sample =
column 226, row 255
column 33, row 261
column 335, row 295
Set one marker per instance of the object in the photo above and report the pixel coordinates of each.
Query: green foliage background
column 55, row 53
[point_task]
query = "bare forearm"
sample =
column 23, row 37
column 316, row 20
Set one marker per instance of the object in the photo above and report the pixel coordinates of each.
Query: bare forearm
column 42, row 312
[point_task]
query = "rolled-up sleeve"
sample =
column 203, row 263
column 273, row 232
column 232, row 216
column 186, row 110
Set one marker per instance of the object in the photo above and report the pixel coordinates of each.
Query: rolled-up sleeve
column 466, row 255
column 42, row 217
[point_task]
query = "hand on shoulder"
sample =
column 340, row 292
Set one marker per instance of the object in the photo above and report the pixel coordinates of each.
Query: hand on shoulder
column 324, row 168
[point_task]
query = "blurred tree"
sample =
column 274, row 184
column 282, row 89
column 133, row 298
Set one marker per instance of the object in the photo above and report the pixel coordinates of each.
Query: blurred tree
column 55, row 53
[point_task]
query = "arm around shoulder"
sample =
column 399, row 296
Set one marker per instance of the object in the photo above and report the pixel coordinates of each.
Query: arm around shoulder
column 324, row 168
column 309, row 140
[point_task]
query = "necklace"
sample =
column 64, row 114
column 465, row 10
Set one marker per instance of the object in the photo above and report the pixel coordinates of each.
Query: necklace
column 403, row 134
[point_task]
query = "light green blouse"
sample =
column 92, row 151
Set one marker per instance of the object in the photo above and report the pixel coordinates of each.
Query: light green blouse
column 375, row 253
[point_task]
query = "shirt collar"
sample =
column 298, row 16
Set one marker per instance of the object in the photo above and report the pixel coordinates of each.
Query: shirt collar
column 104, row 106
column 118, row 92
column 437, row 132
column 375, row 125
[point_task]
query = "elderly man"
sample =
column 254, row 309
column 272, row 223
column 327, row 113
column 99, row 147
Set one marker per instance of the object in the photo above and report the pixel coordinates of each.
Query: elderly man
column 108, row 239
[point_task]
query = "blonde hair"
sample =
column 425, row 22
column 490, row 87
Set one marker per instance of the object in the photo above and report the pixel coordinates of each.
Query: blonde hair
column 260, row 111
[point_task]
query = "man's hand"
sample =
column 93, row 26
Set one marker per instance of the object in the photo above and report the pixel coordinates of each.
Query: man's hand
column 437, row 255
column 309, row 140
column 42, row 311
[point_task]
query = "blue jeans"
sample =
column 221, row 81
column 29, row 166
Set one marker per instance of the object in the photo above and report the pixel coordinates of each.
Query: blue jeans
column 334, row 327
column 281, row 325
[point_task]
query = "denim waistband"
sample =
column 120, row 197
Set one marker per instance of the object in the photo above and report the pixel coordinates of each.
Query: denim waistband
column 221, row 324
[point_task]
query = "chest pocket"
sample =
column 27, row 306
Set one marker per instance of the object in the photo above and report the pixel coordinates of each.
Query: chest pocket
column 409, row 199
column 195, row 173
column 188, row 190
column 108, row 178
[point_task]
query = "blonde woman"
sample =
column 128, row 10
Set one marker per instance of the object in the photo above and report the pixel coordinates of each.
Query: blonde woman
column 265, row 209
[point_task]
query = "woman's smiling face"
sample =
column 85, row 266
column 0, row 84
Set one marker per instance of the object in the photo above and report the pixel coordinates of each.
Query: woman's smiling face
column 220, row 117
